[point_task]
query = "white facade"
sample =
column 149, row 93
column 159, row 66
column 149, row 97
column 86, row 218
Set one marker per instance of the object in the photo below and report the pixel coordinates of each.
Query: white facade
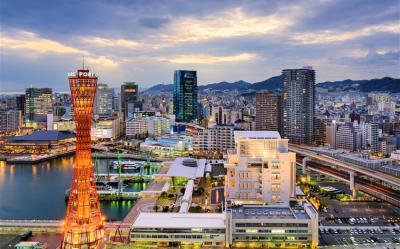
column 152, row 126
column 106, row 128
column 136, row 127
column 370, row 136
column 221, row 115
column 214, row 142
column 157, row 126
column 262, row 170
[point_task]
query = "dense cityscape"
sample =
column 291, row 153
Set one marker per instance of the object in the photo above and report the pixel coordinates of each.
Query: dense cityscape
column 288, row 162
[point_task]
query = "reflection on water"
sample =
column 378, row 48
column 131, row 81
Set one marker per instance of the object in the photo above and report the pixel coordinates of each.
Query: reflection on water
column 37, row 191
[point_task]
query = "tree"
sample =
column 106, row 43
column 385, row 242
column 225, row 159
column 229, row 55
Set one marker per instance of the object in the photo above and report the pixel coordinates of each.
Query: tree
column 155, row 208
column 163, row 194
column 323, row 204
column 306, row 190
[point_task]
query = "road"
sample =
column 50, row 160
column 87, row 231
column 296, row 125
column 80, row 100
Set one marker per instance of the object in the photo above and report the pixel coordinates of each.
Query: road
column 302, row 151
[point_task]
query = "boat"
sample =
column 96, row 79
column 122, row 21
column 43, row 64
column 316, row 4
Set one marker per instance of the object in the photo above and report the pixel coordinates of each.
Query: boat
column 127, row 164
column 103, row 186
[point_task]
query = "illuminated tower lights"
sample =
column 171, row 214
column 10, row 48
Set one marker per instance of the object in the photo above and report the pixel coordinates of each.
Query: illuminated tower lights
column 83, row 226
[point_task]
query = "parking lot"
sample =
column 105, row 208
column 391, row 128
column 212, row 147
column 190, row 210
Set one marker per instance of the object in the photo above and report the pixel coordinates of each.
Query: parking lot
column 359, row 236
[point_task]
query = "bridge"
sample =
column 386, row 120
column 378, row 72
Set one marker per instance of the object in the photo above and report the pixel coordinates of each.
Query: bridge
column 48, row 226
column 312, row 155
column 357, row 176
column 36, row 226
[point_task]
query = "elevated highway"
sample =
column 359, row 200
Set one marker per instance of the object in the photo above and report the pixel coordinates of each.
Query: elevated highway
column 384, row 193
column 349, row 167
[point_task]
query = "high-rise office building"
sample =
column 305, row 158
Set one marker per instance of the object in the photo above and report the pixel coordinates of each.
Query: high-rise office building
column 129, row 99
column 268, row 111
column 298, row 88
column 20, row 101
column 38, row 102
column 104, row 100
column 185, row 95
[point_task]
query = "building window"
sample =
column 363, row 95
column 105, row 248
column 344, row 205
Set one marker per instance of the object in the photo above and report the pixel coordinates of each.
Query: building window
column 276, row 198
column 276, row 187
column 275, row 176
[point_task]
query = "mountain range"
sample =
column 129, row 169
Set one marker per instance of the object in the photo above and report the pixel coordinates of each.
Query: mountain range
column 384, row 84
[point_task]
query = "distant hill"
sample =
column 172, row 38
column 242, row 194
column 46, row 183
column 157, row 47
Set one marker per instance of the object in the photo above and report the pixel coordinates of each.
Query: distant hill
column 161, row 88
column 274, row 83
column 385, row 84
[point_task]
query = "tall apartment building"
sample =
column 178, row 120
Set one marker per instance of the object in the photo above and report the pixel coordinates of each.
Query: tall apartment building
column 38, row 102
column 262, row 169
column 103, row 105
column 330, row 134
column 370, row 136
column 298, row 88
column 185, row 95
column 268, row 111
column 348, row 137
column 10, row 120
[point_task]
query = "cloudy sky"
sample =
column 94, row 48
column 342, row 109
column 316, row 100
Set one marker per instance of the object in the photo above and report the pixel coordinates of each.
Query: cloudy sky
column 144, row 41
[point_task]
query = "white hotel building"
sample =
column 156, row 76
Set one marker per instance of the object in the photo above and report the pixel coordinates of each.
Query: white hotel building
column 261, row 169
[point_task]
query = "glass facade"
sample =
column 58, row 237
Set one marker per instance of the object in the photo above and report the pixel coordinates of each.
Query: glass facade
column 185, row 95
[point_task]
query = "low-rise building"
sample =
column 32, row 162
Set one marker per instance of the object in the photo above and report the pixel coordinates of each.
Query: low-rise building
column 106, row 128
column 168, row 146
column 41, row 142
column 179, row 230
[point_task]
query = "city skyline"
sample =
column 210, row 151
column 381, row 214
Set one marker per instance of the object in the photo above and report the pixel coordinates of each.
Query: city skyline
column 199, row 124
column 145, row 42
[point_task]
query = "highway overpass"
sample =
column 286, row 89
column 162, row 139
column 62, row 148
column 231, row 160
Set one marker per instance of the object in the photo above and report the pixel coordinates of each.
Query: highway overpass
column 384, row 193
column 351, row 168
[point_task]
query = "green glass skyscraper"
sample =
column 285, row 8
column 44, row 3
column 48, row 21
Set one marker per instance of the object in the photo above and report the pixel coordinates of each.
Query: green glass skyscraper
column 185, row 95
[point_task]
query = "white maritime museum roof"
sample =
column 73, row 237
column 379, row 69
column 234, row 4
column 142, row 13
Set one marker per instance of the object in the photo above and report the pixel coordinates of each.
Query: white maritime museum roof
column 178, row 220
column 187, row 167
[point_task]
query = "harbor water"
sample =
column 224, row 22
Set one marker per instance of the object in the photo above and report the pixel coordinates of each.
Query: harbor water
column 37, row 191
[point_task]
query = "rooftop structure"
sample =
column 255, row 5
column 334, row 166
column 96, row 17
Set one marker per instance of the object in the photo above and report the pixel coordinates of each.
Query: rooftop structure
column 40, row 136
column 178, row 220
column 187, row 167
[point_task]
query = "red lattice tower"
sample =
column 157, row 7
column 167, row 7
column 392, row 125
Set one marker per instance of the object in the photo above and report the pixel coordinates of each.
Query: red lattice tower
column 84, row 225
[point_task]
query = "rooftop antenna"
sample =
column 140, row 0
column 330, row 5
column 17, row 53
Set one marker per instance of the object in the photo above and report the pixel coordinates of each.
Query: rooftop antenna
column 83, row 62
